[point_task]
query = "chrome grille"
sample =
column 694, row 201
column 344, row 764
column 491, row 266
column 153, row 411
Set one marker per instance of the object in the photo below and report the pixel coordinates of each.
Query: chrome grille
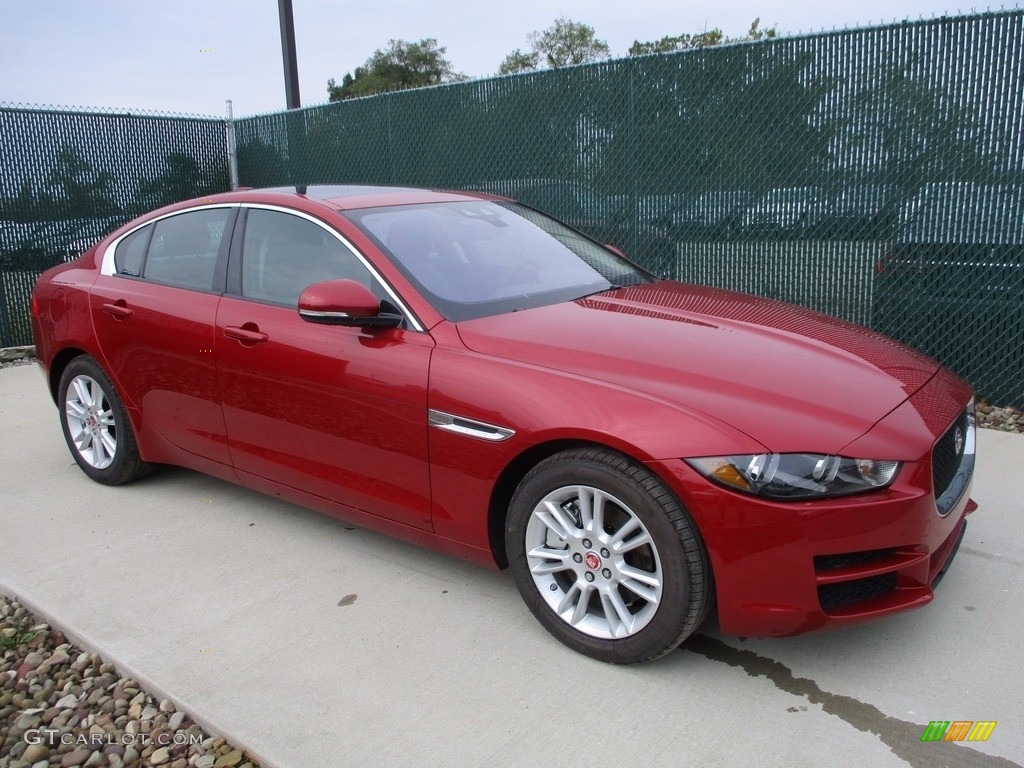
column 953, row 461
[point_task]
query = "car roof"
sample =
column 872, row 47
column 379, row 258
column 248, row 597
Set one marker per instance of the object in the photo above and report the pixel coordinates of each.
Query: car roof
column 348, row 197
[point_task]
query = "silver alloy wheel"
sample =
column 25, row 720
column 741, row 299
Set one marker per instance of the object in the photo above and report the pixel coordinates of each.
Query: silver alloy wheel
column 90, row 420
column 594, row 562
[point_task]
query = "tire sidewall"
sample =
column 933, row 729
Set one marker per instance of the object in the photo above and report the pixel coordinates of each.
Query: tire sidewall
column 661, row 631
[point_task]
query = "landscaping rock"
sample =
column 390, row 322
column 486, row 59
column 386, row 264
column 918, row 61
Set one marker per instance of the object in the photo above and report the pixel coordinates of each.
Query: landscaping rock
column 47, row 682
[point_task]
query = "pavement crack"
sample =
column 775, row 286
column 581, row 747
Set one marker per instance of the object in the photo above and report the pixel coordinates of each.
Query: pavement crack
column 991, row 556
column 902, row 737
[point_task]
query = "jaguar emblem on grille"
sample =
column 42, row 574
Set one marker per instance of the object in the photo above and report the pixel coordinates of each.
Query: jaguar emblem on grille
column 958, row 441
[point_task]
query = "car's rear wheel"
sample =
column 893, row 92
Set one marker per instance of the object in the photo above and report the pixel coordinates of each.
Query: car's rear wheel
column 96, row 426
column 606, row 557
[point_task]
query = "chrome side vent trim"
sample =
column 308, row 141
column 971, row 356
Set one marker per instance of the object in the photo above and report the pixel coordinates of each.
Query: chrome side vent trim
column 468, row 427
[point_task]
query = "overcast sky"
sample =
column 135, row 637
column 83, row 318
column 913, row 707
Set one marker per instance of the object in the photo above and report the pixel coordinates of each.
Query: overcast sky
column 190, row 55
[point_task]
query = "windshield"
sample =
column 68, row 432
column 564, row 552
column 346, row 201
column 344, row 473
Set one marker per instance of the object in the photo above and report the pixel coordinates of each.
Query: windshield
column 477, row 258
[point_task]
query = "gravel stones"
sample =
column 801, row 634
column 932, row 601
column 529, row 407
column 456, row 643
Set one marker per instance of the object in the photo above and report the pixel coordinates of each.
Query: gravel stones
column 230, row 760
column 1007, row 419
column 36, row 753
column 77, row 757
column 8, row 363
column 62, row 707
column 58, row 657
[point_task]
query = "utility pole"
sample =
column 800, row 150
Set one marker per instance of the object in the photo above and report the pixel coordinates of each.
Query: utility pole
column 291, row 67
column 296, row 128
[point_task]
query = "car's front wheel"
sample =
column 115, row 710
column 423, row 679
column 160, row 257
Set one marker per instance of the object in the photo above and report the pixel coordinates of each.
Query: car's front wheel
column 606, row 557
column 96, row 426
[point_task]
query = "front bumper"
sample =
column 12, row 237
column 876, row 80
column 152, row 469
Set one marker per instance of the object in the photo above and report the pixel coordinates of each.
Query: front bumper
column 789, row 568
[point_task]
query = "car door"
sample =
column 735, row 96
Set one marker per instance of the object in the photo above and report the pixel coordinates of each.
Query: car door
column 153, row 307
column 336, row 412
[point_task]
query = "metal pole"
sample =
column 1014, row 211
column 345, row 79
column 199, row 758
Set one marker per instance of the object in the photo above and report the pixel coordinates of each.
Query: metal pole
column 232, row 148
column 294, row 120
column 291, row 67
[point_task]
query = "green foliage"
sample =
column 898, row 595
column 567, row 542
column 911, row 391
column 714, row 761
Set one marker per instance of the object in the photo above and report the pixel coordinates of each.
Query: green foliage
column 756, row 33
column 74, row 185
column 567, row 43
column 72, row 188
column 670, row 44
column 915, row 129
column 563, row 44
column 21, row 634
column 685, row 42
column 517, row 61
column 401, row 66
column 746, row 114
column 260, row 165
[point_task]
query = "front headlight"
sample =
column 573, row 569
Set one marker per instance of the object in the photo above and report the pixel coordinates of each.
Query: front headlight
column 796, row 476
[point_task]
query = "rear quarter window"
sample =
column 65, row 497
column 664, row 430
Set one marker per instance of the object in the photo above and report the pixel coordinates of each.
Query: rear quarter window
column 131, row 252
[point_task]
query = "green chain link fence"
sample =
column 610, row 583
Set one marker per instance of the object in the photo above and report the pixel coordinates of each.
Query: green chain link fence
column 67, row 178
column 876, row 174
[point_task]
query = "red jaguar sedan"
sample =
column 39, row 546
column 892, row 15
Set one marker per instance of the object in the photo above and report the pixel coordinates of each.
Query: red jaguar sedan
column 464, row 372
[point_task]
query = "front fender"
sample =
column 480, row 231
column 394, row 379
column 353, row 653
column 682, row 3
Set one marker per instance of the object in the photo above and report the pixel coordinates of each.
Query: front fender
column 545, row 406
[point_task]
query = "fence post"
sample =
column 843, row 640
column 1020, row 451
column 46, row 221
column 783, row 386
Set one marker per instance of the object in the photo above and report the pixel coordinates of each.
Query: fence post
column 229, row 131
column 7, row 337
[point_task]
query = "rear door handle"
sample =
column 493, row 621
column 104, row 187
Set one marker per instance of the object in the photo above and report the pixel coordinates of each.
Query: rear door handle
column 247, row 334
column 118, row 309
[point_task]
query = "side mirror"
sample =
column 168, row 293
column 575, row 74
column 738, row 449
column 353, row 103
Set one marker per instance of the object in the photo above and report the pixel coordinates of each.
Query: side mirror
column 344, row 302
column 616, row 250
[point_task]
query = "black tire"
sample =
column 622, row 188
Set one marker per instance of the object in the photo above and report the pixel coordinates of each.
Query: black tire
column 570, row 483
column 106, row 448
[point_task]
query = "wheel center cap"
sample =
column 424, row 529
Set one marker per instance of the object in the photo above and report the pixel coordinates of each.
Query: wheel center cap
column 593, row 561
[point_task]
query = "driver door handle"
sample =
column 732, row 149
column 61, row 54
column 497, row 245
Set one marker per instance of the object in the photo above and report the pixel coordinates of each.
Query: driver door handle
column 118, row 309
column 247, row 334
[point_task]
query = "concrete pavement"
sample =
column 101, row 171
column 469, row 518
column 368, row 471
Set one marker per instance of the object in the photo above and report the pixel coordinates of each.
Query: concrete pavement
column 314, row 643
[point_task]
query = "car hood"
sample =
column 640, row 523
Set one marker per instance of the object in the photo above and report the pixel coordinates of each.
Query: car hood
column 792, row 379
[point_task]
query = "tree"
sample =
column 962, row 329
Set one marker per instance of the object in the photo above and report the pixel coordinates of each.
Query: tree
column 704, row 39
column 567, row 43
column 721, row 119
column 517, row 61
column 24, row 206
column 684, row 42
column 183, row 178
column 561, row 45
column 904, row 126
column 261, row 165
column 403, row 65
column 77, row 187
column 756, row 33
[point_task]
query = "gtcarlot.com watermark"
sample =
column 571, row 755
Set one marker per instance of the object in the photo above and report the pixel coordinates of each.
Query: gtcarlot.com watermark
column 53, row 738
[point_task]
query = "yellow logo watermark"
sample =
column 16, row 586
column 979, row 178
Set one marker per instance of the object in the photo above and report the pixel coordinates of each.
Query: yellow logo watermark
column 958, row 730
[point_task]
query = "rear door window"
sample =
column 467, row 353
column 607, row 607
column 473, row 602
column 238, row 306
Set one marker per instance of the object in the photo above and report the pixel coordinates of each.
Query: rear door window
column 183, row 250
